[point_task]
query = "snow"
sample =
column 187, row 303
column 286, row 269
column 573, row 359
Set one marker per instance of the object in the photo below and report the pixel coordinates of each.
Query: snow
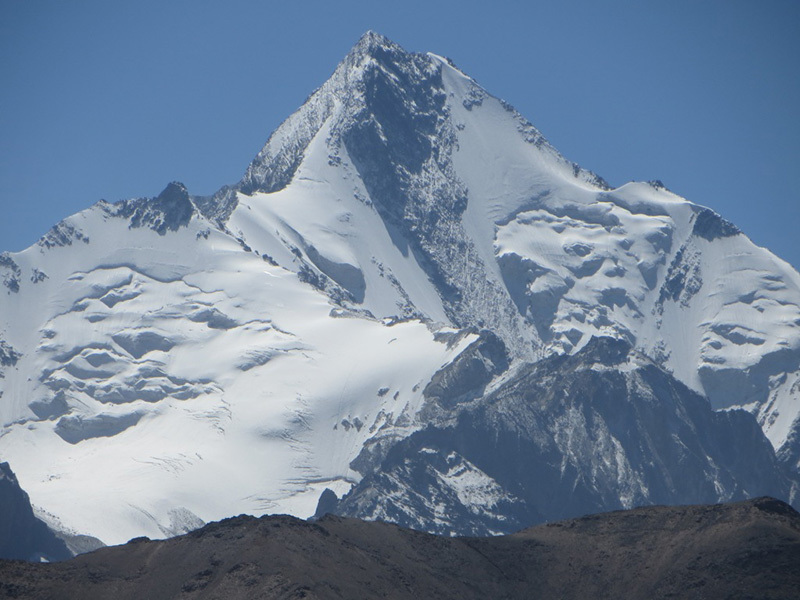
column 324, row 209
column 246, row 413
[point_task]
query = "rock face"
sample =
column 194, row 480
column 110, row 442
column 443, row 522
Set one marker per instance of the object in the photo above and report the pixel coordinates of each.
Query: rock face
column 602, row 429
column 22, row 535
column 404, row 245
column 745, row 550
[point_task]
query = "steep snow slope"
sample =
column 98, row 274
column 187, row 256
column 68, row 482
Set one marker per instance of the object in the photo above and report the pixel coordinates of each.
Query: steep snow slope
column 165, row 379
column 177, row 359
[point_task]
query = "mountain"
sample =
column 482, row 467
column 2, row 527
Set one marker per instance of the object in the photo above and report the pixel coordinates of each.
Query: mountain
column 173, row 360
column 744, row 550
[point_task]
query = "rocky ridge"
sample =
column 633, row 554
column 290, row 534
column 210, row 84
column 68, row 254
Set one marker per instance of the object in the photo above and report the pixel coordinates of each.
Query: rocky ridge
column 747, row 549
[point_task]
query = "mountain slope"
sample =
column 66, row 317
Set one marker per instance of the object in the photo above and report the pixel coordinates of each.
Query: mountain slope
column 244, row 351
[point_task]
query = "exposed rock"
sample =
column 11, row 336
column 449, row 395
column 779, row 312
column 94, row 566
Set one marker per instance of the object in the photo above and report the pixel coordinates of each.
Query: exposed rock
column 22, row 535
column 168, row 211
column 599, row 430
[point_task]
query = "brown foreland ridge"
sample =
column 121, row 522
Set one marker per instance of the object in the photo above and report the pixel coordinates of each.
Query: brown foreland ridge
column 747, row 549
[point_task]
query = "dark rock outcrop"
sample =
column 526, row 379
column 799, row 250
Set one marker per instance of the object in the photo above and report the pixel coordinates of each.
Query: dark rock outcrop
column 22, row 535
column 169, row 211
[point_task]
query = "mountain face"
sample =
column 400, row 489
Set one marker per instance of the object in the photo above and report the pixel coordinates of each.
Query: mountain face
column 399, row 253
column 745, row 550
column 601, row 429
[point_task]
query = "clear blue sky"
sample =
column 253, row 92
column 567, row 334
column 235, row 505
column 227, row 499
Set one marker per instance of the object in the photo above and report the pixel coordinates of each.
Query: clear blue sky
column 113, row 100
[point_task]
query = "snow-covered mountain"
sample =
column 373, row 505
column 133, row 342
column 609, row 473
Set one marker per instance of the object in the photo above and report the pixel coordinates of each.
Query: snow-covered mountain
column 178, row 359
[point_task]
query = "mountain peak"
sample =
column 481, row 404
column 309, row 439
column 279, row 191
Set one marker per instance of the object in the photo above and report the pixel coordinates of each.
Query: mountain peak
column 372, row 51
column 373, row 76
column 169, row 211
column 174, row 189
column 371, row 42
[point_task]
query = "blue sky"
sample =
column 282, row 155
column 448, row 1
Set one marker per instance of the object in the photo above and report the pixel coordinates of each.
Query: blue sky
column 113, row 100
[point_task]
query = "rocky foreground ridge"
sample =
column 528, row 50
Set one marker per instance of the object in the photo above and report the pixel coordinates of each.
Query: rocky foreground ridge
column 748, row 549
